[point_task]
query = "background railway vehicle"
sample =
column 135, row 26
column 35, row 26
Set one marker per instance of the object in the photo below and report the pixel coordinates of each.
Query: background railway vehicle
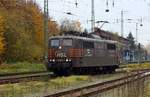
column 81, row 54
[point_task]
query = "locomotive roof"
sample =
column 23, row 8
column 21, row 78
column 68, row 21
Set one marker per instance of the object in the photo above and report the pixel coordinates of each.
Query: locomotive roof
column 84, row 38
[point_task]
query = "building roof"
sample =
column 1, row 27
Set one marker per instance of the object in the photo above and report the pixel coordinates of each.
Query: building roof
column 110, row 36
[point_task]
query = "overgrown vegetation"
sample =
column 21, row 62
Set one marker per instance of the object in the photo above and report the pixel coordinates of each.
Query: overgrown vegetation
column 139, row 66
column 148, row 88
column 131, row 67
column 21, row 67
column 37, row 88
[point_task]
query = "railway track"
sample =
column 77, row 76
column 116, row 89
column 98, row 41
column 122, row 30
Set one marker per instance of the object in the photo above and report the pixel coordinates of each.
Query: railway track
column 29, row 76
column 95, row 88
column 22, row 77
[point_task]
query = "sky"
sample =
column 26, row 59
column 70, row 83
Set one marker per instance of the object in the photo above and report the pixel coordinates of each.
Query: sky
column 137, row 10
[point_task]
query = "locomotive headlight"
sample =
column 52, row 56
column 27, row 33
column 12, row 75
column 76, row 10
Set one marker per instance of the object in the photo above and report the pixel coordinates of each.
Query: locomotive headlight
column 60, row 47
column 67, row 60
column 53, row 60
column 50, row 60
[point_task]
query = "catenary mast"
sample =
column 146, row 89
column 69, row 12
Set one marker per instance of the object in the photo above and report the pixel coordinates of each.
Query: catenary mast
column 46, row 30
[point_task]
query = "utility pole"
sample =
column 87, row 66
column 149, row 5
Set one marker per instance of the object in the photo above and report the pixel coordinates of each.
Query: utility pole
column 139, row 53
column 137, row 32
column 122, row 21
column 46, row 30
column 92, row 16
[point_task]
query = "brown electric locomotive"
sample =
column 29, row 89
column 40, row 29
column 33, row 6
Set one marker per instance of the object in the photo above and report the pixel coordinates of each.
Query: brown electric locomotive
column 75, row 53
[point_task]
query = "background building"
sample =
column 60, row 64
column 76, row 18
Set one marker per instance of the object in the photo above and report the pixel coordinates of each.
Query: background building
column 130, row 51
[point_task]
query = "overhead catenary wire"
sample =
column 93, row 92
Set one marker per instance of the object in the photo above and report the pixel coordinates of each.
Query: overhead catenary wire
column 68, row 7
column 71, row 7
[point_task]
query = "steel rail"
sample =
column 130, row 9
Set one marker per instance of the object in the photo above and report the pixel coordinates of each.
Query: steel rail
column 23, row 77
column 113, row 85
column 20, row 73
column 99, row 87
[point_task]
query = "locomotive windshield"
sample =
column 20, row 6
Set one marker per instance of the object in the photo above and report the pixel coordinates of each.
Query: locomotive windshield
column 55, row 42
column 67, row 42
column 61, row 42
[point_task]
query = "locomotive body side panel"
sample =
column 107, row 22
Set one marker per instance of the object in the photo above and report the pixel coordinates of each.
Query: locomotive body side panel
column 99, row 55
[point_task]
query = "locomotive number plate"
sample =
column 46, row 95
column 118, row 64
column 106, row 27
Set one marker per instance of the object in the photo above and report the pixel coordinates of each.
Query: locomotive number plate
column 60, row 54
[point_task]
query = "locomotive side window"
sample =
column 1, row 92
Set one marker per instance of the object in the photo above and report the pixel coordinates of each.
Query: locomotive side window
column 55, row 42
column 78, row 43
column 111, row 46
column 87, row 44
column 67, row 42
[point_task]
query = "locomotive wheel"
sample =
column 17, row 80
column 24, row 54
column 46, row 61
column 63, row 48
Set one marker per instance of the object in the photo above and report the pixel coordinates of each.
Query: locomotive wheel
column 109, row 69
column 62, row 72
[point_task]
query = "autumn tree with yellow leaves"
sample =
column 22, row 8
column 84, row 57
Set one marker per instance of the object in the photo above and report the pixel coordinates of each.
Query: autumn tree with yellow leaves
column 2, row 49
column 22, row 33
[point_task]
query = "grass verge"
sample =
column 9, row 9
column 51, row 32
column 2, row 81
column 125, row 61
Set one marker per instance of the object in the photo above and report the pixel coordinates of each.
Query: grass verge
column 21, row 67
column 37, row 88
column 131, row 67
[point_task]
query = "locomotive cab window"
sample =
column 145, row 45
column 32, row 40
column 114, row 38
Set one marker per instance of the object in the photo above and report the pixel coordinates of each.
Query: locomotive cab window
column 67, row 42
column 111, row 46
column 88, row 44
column 54, row 42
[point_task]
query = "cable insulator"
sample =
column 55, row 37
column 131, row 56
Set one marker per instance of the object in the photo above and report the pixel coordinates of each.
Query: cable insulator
column 113, row 3
column 107, row 3
column 76, row 3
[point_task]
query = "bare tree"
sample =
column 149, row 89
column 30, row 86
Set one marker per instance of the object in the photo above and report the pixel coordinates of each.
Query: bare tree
column 70, row 25
column 148, row 48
